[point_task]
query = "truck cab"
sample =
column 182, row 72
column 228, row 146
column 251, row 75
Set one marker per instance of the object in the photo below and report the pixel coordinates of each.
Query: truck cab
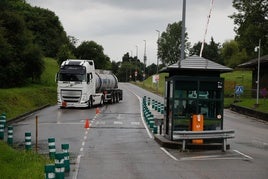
column 75, row 83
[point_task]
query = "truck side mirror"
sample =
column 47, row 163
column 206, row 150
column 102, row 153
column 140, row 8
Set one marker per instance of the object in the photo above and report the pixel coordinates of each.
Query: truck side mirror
column 89, row 77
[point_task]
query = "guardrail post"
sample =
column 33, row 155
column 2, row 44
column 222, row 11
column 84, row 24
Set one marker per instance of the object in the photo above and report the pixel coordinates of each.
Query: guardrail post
column 50, row 171
column 10, row 135
column 51, row 148
column 59, row 166
column 28, row 141
column 65, row 150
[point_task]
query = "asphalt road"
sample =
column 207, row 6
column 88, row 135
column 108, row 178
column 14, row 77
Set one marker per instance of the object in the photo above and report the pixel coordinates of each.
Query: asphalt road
column 117, row 145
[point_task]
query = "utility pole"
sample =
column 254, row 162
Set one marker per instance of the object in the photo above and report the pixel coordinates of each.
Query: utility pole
column 157, row 64
column 182, row 33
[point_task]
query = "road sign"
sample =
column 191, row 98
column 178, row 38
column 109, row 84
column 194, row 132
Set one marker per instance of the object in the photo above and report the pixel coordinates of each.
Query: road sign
column 239, row 90
column 155, row 78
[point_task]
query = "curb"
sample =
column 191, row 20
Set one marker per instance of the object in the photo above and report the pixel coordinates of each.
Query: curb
column 249, row 112
column 163, row 142
column 25, row 115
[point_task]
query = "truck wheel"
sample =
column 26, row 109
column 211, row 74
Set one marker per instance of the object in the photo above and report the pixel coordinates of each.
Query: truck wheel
column 90, row 103
column 102, row 101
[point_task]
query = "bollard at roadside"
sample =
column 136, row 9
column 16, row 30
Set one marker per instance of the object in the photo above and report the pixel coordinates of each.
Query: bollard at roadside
column 3, row 119
column 65, row 150
column 50, row 171
column 10, row 135
column 2, row 131
column 28, row 141
column 51, row 148
column 59, row 166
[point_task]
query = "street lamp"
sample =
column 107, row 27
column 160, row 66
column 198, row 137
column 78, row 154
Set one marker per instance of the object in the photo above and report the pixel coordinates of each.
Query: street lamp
column 136, row 72
column 156, row 54
column 144, row 60
column 258, row 74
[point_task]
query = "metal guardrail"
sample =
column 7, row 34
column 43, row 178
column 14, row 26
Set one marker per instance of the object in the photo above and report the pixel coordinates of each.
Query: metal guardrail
column 213, row 134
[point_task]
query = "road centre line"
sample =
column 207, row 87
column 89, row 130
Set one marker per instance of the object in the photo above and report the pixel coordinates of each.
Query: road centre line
column 80, row 155
column 77, row 166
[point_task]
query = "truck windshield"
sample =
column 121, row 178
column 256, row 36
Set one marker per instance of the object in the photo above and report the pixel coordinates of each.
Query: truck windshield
column 72, row 73
column 71, row 77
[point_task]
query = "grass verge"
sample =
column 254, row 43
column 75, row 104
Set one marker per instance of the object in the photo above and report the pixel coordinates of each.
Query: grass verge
column 17, row 101
column 20, row 164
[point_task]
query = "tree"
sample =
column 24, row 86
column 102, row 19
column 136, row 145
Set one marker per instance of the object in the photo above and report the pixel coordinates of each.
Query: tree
column 210, row 51
column 251, row 22
column 20, row 59
column 232, row 55
column 64, row 53
column 92, row 51
column 33, row 62
column 46, row 28
column 169, row 44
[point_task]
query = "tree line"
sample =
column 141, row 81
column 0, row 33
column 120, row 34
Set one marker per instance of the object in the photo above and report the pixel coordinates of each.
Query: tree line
column 27, row 34
column 251, row 26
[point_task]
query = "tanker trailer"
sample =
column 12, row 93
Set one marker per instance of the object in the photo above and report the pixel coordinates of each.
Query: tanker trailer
column 80, row 85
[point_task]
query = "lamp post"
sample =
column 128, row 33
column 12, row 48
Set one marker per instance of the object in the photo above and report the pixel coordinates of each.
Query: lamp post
column 136, row 72
column 258, row 73
column 156, row 54
column 144, row 60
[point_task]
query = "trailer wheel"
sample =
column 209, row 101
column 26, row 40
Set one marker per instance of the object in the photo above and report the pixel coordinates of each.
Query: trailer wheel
column 117, row 98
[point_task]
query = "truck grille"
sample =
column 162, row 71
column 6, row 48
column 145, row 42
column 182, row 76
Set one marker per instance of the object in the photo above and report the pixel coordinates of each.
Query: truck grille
column 73, row 96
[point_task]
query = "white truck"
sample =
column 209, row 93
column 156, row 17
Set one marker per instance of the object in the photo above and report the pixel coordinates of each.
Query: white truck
column 81, row 85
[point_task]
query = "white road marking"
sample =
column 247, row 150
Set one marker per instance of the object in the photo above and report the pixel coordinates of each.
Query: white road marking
column 100, row 122
column 118, row 122
column 77, row 166
column 247, row 156
column 169, row 154
column 135, row 123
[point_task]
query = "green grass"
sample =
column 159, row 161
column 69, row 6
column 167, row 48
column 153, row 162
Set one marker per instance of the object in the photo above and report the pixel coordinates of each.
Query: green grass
column 20, row 164
column 238, row 77
column 17, row 101
column 150, row 86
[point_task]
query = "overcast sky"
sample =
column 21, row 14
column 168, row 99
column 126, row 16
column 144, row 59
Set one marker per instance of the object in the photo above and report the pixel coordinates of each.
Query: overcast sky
column 121, row 26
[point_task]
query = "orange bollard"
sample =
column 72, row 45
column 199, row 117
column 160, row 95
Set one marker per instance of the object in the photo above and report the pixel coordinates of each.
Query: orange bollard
column 87, row 124
column 198, row 125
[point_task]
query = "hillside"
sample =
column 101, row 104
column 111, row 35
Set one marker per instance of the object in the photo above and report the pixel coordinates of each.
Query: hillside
column 17, row 101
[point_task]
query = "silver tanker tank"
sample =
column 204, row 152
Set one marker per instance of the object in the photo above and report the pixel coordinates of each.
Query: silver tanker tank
column 105, row 80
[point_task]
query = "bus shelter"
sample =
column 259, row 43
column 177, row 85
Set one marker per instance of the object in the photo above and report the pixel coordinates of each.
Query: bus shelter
column 194, row 96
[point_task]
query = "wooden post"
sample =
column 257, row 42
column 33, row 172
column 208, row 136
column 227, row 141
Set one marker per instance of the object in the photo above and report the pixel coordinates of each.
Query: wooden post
column 36, row 134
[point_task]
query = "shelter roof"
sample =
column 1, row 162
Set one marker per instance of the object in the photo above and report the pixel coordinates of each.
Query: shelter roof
column 196, row 63
column 254, row 62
